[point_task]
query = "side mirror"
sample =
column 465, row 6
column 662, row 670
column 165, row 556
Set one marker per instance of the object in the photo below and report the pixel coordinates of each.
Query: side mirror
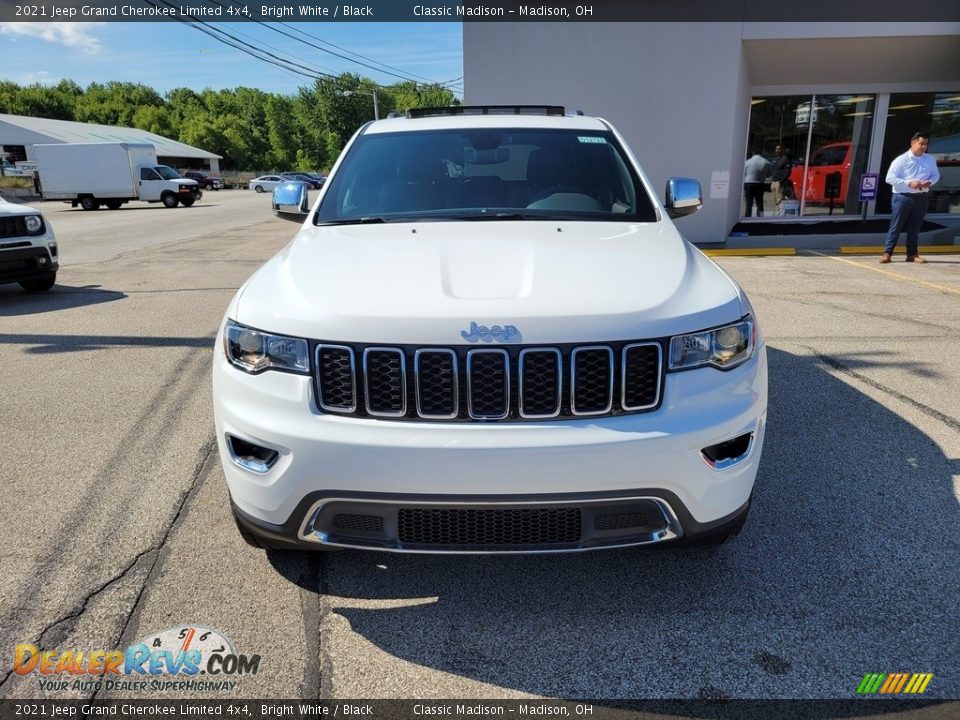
column 683, row 196
column 291, row 200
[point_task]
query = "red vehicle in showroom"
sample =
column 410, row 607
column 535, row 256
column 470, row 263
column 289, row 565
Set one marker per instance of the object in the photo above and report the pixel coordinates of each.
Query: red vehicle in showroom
column 826, row 160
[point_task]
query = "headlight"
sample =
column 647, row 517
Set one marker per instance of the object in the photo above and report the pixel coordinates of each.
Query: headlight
column 253, row 351
column 723, row 347
column 34, row 224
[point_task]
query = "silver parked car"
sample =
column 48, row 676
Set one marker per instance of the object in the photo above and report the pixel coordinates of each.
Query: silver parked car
column 266, row 183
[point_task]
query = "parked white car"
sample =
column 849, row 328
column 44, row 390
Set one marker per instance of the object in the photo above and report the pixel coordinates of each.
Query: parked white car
column 488, row 336
column 11, row 170
column 266, row 183
column 28, row 248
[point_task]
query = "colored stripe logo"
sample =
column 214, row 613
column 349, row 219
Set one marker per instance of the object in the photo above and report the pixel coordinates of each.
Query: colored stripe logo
column 894, row 683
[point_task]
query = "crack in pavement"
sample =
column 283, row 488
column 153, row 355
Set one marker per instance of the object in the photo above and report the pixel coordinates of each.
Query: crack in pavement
column 201, row 472
column 206, row 451
column 325, row 662
column 311, row 607
column 161, row 409
column 950, row 422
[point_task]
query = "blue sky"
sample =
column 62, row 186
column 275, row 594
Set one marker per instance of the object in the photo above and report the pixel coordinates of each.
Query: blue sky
column 168, row 55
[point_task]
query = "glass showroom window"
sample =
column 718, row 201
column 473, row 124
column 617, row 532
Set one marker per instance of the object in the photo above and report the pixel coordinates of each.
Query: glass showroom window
column 938, row 114
column 828, row 139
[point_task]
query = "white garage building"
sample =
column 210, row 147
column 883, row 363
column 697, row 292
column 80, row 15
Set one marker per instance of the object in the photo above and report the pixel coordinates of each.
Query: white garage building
column 19, row 133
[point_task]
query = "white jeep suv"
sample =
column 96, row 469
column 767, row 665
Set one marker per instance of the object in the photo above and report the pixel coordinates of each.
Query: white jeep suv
column 28, row 248
column 488, row 336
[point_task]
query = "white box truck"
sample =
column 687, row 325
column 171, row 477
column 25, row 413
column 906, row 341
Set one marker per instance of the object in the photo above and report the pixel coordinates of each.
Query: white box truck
column 111, row 174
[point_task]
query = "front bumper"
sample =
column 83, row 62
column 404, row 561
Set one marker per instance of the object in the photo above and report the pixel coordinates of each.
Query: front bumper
column 647, row 466
column 29, row 263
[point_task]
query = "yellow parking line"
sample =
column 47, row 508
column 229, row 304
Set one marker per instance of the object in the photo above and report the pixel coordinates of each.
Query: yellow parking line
column 877, row 249
column 750, row 251
column 944, row 288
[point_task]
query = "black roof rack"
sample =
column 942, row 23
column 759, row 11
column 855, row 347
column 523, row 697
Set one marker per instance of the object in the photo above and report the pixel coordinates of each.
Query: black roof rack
column 414, row 113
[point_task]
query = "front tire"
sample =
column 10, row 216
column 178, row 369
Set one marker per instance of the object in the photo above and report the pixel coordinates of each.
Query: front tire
column 259, row 188
column 170, row 200
column 113, row 204
column 187, row 202
column 39, row 284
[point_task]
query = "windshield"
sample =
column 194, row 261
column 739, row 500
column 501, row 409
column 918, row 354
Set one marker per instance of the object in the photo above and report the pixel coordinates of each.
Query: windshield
column 486, row 174
column 167, row 173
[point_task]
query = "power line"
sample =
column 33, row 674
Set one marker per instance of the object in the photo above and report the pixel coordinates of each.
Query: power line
column 327, row 42
column 259, row 53
column 271, row 26
column 227, row 39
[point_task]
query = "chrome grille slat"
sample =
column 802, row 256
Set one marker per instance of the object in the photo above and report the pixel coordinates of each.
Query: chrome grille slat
column 437, row 384
column 591, row 384
column 335, row 379
column 640, row 389
column 488, row 384
column 385, row 381
column 464, row 383
column 540, row 396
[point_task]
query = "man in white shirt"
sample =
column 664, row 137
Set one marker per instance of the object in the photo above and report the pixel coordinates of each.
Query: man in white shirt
column 911, row 176
column 756, row 173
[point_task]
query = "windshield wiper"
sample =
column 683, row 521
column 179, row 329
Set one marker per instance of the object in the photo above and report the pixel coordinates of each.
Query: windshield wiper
column 517, row 216
column 368, row 220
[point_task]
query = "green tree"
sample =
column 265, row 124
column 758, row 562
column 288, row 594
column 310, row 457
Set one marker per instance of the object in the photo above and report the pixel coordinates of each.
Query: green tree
column 156, row 120
column 115, row 103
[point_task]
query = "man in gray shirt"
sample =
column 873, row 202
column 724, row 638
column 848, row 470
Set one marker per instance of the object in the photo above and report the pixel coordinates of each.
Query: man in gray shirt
column 756, row 172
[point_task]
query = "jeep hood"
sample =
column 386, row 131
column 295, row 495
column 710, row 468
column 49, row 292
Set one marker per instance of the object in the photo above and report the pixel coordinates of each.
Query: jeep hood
column 9, row 209
column 422, row 283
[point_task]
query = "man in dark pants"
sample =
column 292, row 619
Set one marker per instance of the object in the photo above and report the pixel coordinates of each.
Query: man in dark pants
column 756, row 172
column 911, row 176
column 780, row 178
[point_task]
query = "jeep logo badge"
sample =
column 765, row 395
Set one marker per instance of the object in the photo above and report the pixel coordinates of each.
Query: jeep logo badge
column 505, row 334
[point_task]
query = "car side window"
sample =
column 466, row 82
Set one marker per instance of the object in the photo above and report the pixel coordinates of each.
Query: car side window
column 148, row 174
column 830, row 156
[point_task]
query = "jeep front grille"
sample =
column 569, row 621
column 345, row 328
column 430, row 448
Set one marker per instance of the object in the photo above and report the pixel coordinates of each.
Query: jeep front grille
column 15, row 226
column 488, row 383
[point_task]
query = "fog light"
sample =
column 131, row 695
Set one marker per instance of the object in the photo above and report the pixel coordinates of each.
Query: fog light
column 250, row 456
column 42, row 261
column 727, row 454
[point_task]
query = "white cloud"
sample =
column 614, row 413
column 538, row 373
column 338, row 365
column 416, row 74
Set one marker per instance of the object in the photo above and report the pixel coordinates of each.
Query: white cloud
column 78, row 35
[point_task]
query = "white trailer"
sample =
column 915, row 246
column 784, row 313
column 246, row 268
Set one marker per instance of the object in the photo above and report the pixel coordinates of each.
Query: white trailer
column 111, row 174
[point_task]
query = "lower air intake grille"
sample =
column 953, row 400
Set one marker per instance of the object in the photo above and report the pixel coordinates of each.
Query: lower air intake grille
column 364, row 523
column 489, row 527
column 621, row 521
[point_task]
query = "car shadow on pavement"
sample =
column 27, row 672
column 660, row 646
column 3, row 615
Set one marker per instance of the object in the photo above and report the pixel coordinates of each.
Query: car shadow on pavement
column 46, row 344
column 14, row 301
column 847, row 565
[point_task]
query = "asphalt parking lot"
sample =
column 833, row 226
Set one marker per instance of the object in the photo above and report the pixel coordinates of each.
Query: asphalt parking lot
column 115, row 522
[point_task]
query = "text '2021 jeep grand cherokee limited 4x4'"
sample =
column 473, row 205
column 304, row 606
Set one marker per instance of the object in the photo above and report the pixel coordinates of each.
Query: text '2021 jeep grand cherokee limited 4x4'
column 488, row 336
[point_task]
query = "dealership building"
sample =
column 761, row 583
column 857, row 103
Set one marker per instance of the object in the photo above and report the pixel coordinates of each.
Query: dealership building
column 693, row 98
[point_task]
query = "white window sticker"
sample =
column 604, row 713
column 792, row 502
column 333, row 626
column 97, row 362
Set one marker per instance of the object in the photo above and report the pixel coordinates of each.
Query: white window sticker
column 590, row 139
